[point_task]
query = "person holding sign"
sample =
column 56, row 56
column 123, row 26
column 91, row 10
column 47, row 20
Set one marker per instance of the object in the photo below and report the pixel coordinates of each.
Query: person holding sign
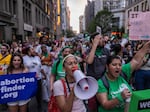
column 33, row 62
column 114, row 98
column 16, row 66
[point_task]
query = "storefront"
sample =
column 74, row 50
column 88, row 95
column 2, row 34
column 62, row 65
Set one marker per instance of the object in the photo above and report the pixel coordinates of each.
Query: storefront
column 28, row 29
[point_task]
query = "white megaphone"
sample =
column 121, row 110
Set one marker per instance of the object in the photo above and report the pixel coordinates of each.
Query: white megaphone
column 86, row 86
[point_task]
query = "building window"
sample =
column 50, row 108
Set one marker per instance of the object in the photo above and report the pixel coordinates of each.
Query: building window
column 39, row 16
column 10, row 6
column 147, row 8
column 129, row 12
column 14, row 7
column 142, row 6
column 137, row 8
column 27, row 12
column 146, row 4
column 36, row 15
column 42, row 19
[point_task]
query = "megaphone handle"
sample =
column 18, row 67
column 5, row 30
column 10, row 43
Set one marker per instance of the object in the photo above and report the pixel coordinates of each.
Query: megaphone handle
column 67, row 84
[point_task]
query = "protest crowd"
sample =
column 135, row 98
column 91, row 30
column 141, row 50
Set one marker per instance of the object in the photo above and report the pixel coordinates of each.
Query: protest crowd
column 118, row 65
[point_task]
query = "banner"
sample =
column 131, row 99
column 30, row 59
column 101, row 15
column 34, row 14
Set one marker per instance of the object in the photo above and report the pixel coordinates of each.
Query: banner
column 140, row 101
column 15, row 87
column 139, row 27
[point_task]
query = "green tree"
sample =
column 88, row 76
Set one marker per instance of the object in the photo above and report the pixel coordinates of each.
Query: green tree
column 69, row 33
column 92, row 26
column 103, row 19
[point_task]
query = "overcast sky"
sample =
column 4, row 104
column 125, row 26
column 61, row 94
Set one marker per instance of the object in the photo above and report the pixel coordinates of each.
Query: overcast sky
column 76, row 8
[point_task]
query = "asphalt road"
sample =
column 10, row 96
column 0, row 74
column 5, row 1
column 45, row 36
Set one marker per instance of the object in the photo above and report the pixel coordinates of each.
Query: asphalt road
column 33, row 107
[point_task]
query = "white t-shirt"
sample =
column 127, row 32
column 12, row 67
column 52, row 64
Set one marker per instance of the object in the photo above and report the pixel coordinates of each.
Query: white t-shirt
column 78, row 105
column 39, row 51
column 33, row 64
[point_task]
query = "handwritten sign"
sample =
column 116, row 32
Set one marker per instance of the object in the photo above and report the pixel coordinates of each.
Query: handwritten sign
column 139, row 27
column 15, row 87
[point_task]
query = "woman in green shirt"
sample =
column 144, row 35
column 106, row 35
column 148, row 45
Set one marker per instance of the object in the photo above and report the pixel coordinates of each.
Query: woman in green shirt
column 114, row 98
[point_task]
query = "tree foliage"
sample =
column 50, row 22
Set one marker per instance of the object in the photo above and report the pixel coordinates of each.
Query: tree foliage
column 69, row 33
column 92, row 26
column 103, row 19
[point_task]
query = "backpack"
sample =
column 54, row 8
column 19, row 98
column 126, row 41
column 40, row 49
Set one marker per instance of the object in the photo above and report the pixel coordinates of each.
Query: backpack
column 52, row 104
column 105, row 80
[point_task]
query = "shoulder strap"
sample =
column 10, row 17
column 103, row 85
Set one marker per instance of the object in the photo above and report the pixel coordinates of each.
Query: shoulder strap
column 64, row 85
column 3, row 57
column 105, row 51
column 124, row 76
column 67, row 84
column 105, row 82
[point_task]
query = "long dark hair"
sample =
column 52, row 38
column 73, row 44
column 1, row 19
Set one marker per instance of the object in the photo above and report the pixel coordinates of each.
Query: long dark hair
column 11, row 66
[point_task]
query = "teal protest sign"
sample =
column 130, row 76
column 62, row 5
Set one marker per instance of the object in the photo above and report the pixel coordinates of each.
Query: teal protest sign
column 140, row 101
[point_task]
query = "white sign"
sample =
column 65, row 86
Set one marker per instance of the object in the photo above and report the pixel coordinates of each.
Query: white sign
column 98, row 29
column 139, row 27
column 28, row 27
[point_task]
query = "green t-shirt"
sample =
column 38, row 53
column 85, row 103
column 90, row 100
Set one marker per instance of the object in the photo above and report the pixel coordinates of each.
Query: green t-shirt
column 115, row 89
column 59, row 73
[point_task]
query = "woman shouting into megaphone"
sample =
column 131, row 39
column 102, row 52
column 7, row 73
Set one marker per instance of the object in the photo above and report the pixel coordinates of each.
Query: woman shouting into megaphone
column 64, row 94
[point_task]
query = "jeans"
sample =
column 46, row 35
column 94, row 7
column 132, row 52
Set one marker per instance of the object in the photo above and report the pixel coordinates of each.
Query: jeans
column 142, row 79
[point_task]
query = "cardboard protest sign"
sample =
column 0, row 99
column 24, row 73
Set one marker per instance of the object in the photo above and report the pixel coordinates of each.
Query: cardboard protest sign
column 140, row 101
column 99, row 30
column 15, row 87
column 139, row 27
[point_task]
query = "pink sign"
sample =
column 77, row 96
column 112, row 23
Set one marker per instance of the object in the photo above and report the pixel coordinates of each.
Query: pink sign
column 139, row 27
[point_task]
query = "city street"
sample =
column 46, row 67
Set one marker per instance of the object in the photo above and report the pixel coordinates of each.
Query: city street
column 44, row 105
column 100, row 48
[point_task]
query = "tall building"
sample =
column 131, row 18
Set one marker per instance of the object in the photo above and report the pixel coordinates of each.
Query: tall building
column 68, row 18
column 81, row 24
column 7, row 18
column 89, row 13
column 135, row 5
column 23, row 19
column 98, row 6
column 117, row 7
column 62, row 18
